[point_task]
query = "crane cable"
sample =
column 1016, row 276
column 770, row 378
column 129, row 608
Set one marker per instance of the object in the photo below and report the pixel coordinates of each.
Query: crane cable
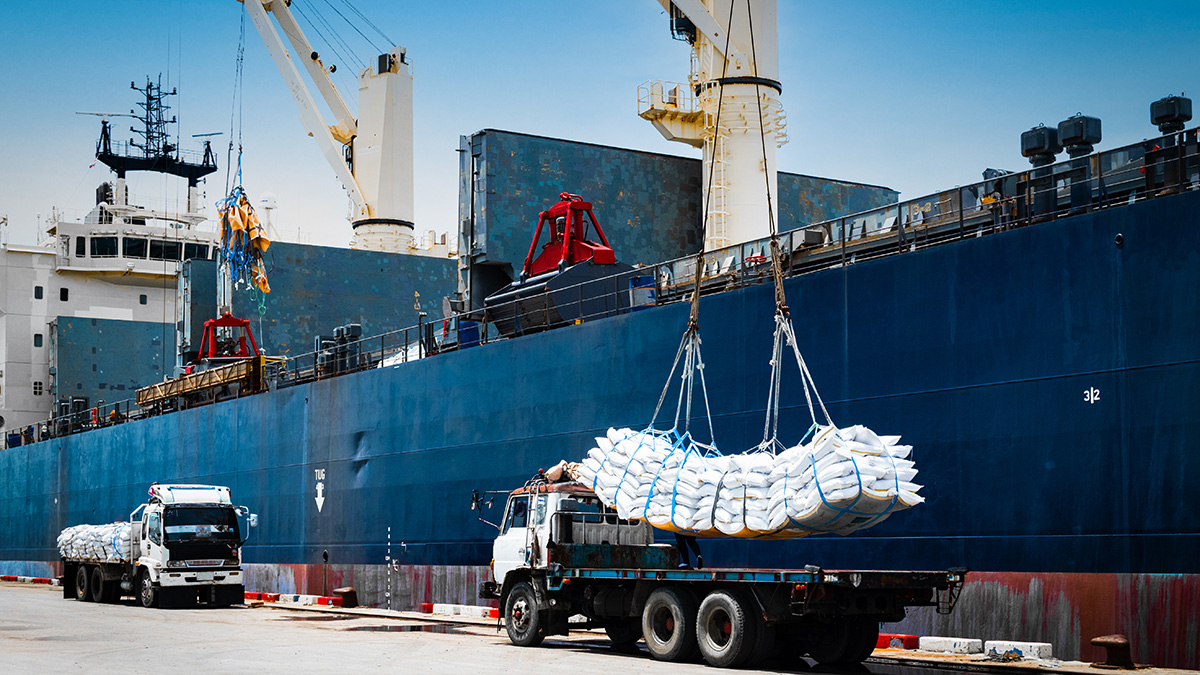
column 785, row 333
column 689, row 344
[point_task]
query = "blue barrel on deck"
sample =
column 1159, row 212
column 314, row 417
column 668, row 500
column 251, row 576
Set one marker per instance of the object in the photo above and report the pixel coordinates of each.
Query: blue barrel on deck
column 468, row 333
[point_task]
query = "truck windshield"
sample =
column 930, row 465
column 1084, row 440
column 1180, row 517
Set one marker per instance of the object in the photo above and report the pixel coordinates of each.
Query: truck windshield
column 518, row 513
column 200, row 523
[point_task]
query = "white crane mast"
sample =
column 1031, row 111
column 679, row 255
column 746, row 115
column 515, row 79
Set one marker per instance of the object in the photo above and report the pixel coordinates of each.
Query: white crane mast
column 372, row 155
column 730, row 108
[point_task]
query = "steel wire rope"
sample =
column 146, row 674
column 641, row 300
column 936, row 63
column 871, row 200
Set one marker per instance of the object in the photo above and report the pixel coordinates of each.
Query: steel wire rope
column 235, row 111
column 351, row 24
column 368, row 22
column 342, row 51
column 323, row 43
column 349, row 52
column 784, row 331
column 691, row 337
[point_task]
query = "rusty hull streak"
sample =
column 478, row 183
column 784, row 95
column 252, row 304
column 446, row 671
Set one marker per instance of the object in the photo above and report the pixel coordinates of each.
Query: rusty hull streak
column 1160, row 613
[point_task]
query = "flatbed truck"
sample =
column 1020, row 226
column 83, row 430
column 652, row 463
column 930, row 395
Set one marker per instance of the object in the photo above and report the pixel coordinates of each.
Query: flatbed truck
column 561, row 553
column 185, row 549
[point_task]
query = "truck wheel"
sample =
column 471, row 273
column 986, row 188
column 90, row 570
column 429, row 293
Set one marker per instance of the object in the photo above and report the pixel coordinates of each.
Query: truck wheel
column 521, row 617
column 669, row 624
column 83, row 584
column 764, row 646
column 623, row 632
column 99, row 589
column 726, row 629
column 832, row 642
column 147, row 594
column 865, row 635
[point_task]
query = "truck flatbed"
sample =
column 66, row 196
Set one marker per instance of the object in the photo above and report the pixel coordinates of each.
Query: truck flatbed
column 561, row 552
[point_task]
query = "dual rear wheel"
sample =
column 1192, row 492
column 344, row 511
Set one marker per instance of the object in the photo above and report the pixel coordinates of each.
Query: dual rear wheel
column 91, row 586
column 727, row 629
column 669, row 624
column 841, row 642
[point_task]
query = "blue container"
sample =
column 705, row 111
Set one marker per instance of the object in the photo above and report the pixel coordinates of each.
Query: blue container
column 468, row 333
column 641, row 292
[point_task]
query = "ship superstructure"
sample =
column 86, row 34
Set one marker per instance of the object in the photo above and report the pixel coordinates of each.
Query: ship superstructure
column 116, row 264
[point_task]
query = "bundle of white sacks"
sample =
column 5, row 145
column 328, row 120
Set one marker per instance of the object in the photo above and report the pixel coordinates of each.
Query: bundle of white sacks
column 108, row 543
column 840, row 481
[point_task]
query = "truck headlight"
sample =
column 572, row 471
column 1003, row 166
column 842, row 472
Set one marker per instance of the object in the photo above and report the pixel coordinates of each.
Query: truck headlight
column 175, row 563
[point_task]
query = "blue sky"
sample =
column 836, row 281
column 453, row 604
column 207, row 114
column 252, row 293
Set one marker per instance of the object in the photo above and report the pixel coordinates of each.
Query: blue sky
column 914, row 96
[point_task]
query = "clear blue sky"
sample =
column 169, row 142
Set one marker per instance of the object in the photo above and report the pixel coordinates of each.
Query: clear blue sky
column 909, row 95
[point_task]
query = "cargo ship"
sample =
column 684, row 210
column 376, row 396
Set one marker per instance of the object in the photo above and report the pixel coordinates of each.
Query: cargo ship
column 1031, row 335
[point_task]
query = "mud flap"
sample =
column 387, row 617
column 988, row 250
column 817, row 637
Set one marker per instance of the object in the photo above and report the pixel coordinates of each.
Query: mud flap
column 226, row 595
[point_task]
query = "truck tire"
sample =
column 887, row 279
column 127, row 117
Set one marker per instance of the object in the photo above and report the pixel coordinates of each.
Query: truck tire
column 764, row 646
column 521, row 617
column 832, row 642
column 147, row 593
column 83, row 584
column 865, row 635
column 99, row 588
column 669, row 624
column 623, row 632
column 726, row 628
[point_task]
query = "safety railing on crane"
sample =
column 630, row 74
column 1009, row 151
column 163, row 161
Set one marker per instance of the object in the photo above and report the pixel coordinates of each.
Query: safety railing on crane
column 666, row 96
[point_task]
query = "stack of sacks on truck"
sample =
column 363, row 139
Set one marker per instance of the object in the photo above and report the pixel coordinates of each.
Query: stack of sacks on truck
column 108, row 543
column 840, row 481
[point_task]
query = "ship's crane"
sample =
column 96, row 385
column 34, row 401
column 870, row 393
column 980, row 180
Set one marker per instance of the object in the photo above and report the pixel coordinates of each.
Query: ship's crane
column 729, row 107
column 371, row 154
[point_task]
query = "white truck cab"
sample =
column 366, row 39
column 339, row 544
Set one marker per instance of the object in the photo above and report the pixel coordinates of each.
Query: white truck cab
column 542, row 516
column 189, row 536
column 184, row 547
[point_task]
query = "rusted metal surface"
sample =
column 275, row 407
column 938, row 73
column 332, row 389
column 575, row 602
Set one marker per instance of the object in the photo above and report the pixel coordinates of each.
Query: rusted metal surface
column 1160, row 613
column 399, row 587
column 241, row 371
column 614, row 555
column 1118, row 654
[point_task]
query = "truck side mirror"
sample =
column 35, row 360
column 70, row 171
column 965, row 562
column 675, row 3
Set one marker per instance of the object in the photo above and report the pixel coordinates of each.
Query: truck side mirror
column 253, row 520
column 478, row 502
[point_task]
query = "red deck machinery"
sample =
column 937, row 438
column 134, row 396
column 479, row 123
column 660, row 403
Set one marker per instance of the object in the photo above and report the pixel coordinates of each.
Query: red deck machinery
column 572, row 278
column 225, row 340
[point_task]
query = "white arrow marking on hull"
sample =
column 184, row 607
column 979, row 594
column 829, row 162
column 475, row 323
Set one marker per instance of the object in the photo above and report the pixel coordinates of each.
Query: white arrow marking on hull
column 320, row 498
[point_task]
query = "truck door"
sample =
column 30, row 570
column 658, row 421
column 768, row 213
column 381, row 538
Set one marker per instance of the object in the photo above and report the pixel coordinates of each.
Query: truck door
column 152, row 541
column 511, row 548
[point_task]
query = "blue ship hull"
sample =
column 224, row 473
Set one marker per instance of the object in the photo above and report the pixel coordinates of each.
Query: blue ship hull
column 1047, row 377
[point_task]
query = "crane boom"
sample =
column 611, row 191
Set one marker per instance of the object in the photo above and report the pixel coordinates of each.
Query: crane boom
column 309, row 115
column 707, row 24
column 346, row 127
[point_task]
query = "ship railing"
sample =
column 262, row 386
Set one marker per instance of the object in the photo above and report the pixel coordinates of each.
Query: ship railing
column 666, row 97
column 127, row 149
column 1003, row 201
column 77, row 419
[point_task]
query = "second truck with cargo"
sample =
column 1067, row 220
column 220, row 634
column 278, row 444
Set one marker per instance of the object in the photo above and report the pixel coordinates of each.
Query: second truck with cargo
column 561, row 554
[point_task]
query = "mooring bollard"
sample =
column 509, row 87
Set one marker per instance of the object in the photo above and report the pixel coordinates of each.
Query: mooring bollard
column 1118, row 654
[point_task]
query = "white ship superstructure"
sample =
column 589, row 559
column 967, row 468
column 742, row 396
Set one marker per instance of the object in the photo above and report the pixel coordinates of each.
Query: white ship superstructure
column 118, row 263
